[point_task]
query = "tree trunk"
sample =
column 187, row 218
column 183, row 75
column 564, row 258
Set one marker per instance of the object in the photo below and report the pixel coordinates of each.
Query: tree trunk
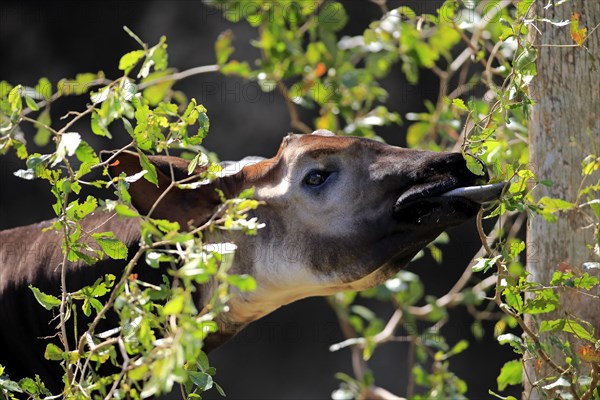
column 564, row 129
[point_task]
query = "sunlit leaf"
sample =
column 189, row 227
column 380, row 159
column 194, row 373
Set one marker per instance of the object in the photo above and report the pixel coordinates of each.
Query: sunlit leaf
column 46, row 300
column 112, row 246
column 510, row 374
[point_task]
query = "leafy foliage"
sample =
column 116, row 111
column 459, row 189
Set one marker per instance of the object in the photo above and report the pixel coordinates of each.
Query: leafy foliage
column 484, row 65
column 485, row 90
column 161, row 332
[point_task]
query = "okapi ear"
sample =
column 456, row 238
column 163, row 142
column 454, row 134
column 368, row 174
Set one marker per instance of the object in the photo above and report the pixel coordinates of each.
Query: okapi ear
column 189, row 207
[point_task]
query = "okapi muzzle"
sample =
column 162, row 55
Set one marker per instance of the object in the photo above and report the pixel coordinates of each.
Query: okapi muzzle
column 339, row 213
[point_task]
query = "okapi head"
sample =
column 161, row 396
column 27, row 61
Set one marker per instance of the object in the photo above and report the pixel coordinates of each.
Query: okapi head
column 340, row 213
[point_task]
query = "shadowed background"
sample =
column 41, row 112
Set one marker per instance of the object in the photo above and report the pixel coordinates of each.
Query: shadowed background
column 285, row 355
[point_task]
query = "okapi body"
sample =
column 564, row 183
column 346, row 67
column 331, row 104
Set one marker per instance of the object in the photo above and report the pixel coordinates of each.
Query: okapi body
column 339, row 213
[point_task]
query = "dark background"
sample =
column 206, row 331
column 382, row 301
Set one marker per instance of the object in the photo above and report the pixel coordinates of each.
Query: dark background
column 285, row 355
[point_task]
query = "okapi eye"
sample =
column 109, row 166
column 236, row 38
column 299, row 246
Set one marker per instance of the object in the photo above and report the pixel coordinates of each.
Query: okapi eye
column 316, row 178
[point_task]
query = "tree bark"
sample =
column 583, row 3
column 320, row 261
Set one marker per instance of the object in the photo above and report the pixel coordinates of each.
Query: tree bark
column 564, row 129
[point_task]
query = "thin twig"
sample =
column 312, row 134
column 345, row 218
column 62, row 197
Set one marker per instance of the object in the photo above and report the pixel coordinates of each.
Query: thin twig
column 295, row 121
column 113, row 295
column 378, row 393
column 124, row 366
column 594, row 383
column 58, row 95
column 504, row 307
column 113, row 156
column 179, row 75
column 36, row 122
column 388, row 332
column 302, row 30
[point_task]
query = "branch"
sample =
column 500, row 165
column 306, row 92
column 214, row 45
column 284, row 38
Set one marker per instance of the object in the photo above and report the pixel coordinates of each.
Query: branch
column 454, row 296
column 388, row 332
column 58, row 95
column 594, row 383
column 180, row 75
column 113, row 295
column 295, row 121
column 359, row 366
column 505, row 308
column 472, row 43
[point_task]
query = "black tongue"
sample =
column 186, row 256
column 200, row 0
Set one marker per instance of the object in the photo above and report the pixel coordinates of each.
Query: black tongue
column 479, row 194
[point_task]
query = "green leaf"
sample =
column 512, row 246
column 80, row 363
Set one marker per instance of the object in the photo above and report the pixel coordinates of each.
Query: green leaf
column 152, row 175
column 473, row 164
column 568, row 325
column 125, row 211
column 175, row 305
column 166, row 226
column 234, row 67
column 244, row 282
column 543, row 301
column 484, row 264
column 516, row 248
column 77, row 211
column 477, row 330
column 46, row 300
column 202, row 361
column 513, row 298
column 14, row 100
column 554, row 205
column 510, row 374
column 42, row 136
column 129, row 60
column 460, row 104
column 44, row 88
column 86, row 154
column 9, row 385
column 201, row 379
column 82, row 84
column 138, row 373
column 458, row 348
column 332, row 16
column 159, row 55
column 525, row 59
column 314, row 51
column 578, row 330
column 223, row 47
column 141, row 132
column 523, row 6
column 31, row 103
column 53, row 352
column 199, row 159
column 156, row 92
column 513, row 340
column 112, row 246
column 417, row 133
column 28, row 385
column 586, row 281
column 122, row 191
column 99, row 125
column 590, row 164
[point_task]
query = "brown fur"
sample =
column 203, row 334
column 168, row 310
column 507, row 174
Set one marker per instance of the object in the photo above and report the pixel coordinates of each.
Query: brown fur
column 344, row 235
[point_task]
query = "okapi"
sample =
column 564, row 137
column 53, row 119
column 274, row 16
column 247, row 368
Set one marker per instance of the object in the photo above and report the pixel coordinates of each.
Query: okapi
column 355, row 210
